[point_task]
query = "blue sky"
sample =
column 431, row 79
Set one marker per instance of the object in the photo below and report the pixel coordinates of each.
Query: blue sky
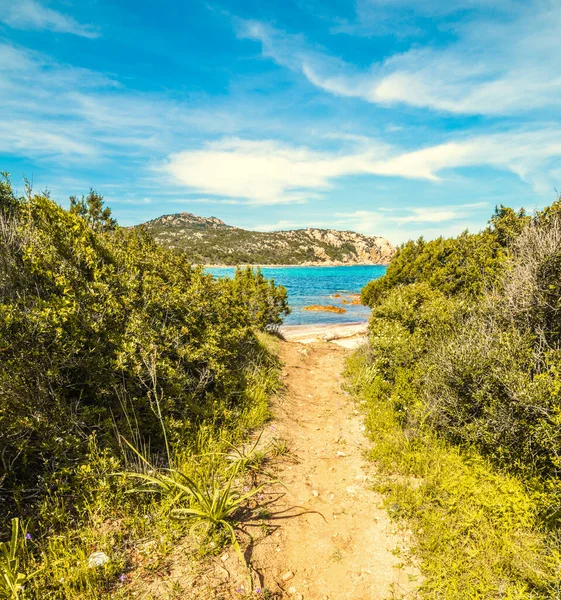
column 388, row 117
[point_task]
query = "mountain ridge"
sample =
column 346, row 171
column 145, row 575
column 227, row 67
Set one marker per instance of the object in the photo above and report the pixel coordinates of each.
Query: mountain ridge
column 210, row 241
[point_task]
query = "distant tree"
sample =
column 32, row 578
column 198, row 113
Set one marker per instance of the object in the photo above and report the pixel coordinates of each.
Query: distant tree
column 507, row 224
column 8, row 200
column 92, row 210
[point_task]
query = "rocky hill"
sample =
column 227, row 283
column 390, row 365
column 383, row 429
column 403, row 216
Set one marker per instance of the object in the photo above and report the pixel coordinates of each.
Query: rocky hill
column 211, row 241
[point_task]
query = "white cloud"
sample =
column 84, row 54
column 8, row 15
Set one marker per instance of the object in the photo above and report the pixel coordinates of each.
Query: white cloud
column 264, row 172
column 43, row 140
column 524, row 153
column 268, row 172
column 101, row 118
column 436, row 214
column 495, row 66
column 51, row 109
column 29, row 14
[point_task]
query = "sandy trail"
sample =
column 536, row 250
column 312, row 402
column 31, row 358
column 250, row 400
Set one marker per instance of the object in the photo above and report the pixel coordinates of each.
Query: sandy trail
column 331, row 539
column 324, row 536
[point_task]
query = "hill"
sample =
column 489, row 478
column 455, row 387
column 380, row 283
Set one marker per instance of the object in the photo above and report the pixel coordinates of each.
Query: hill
column 208, row 240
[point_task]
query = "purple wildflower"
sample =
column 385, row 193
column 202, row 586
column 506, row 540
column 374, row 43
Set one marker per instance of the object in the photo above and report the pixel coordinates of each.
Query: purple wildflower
column 122, row 578
column 28, row 536
column 258, row 591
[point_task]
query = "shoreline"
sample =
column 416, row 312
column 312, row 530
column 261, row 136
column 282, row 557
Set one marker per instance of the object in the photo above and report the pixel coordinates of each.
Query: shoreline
column 257, row 266
column 348, row 335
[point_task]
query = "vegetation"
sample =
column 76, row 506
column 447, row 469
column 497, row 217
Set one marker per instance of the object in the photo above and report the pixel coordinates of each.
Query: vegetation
column 111, row 348
column 210, row 241
column 465, row 265
column 461, row 381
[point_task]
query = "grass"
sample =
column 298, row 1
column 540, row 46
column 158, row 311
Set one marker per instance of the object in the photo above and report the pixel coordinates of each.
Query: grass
column 476, row 532
column 212, row 502
column 90, row 510
column 12, row 579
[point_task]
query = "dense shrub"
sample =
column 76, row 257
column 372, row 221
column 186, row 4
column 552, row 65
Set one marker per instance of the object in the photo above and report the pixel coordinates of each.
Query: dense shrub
column 468, row 264
column 474, row 352
column 265, row 301
column 461, row 381
column 101, row 330
column 477, row 533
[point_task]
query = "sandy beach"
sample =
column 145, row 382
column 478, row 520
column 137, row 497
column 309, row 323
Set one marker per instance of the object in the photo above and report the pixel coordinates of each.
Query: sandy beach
column 347, row 335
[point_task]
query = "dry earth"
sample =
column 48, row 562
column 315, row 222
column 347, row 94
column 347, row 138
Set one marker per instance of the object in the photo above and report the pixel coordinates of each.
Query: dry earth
column 324, row 536
column 332, row 536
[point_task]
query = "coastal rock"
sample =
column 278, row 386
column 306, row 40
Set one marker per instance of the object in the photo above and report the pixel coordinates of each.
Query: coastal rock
column 327, row 308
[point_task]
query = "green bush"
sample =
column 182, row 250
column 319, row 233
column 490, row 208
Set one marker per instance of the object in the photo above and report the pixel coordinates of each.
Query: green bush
column 469, row 264
column 462, row 375
column 483, row 369
column 102, row 331
column 477, row 533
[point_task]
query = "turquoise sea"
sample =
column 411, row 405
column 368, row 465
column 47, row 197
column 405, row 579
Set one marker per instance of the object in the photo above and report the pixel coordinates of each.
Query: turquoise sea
column 317, row 285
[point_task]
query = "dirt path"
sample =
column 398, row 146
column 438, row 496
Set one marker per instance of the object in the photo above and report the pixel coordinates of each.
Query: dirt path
column 330, row 540
column 322, row 537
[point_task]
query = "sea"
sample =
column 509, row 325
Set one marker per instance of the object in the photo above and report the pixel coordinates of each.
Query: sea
column 319, row 285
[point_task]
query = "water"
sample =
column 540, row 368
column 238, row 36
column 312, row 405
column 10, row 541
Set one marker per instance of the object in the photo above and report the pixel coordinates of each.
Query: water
column 316, row 285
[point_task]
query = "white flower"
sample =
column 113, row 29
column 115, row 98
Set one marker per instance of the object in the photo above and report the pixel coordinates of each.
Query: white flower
column 97, row 559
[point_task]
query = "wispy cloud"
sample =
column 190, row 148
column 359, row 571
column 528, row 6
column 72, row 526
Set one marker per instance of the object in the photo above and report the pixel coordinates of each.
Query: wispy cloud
column 268, row 172
column 494, row 66
column 436, row 214
column 262, row 171
column 51, row 109
column 29, row 14
column 397, row 225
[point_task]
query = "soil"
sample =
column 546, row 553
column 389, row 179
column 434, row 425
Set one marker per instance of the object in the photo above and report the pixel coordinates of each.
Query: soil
column 322, row 534
column 331, row 533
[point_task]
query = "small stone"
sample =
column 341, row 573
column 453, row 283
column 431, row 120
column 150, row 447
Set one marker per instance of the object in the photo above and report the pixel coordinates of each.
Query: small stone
column 287, row 576
column 315, row 493
column 224, row 557
column 299, row 597
column 340, row 453
column 291, row 590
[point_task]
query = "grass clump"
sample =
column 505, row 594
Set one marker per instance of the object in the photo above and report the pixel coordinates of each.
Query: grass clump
column 477, row 533
column 209, row 500
column 12, row 578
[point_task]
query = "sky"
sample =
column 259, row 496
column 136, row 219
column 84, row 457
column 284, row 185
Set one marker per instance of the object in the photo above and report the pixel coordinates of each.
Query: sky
column 387, row 117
